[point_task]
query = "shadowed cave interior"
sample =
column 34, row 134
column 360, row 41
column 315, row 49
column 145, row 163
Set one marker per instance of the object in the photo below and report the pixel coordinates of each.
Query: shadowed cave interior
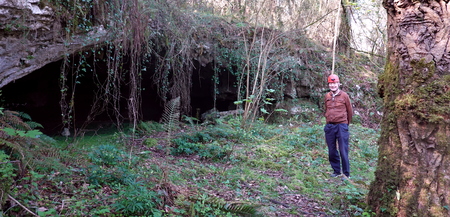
column 39, row 95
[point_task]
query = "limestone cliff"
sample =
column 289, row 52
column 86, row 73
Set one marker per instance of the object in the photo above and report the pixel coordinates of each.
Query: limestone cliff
column 31, row 37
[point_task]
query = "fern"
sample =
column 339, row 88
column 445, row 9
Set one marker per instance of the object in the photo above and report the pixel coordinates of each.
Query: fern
column 170, row 119
column 34, row 125
column 17, row 135
column 236, row 207
column 12, row 119
column 171, row 116
column 24, row 115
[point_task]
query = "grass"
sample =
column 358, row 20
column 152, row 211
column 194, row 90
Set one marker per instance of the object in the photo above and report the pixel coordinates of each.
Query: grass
column 215, row 170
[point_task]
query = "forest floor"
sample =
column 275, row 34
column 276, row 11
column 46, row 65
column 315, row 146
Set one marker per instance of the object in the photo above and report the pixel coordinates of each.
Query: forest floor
column 286, row 204
column 286, row 198
column 196, row 170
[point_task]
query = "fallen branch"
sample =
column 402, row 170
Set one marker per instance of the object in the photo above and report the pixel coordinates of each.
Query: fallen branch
column 12, row 198
column 14, row 161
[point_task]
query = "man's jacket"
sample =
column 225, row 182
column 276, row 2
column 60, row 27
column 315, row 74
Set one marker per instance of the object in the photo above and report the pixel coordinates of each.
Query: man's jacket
column 338, row 109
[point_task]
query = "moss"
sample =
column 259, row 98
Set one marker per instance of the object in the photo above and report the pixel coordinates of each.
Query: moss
column 382, row 190
column 422, row 71
column 443, row 142
column 388, row 82
column 150, row 142
column 437, row 210
column 405, row 102
column 388, row 177
column 422, row 95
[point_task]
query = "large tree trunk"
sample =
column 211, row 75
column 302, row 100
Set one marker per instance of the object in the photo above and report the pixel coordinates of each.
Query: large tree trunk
column 413, row 173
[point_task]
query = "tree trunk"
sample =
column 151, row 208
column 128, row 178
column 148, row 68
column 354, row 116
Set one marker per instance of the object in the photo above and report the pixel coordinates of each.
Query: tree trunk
column 413, row 173
column 345, row 29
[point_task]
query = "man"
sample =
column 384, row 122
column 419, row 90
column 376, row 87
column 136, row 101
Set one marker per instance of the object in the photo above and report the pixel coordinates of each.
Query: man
column 338, row 114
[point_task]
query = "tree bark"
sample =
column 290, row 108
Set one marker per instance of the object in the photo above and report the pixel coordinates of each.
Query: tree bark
column 345, row 29
column 412, row 177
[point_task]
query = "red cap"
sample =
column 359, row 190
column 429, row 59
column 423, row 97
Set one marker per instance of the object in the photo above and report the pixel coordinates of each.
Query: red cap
column 333, row 78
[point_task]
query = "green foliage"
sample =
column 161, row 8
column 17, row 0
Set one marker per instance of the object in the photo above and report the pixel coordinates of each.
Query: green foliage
column 206, row 206
column 150, row 142
column 50, row 212
column 215, row 151
column 269, row 161
column 312, row 136
column 171, row 117
column 110, row 165
column 185, row 147
column 149, row 127
column 107, row 155
column 21, row 133
column 225, row 131
column 18, row 137
column 137, row 200
column 19, row 124
column 76, row 15
column 190, row 120
column 208, row 151
column 6, row 168
column 352, row 200
column 209, row 144
column 17, row 120
column 7, row 173
column 240, row 173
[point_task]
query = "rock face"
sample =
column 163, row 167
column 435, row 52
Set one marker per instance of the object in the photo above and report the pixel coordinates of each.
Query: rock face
column 35, row 37
column 31, row 37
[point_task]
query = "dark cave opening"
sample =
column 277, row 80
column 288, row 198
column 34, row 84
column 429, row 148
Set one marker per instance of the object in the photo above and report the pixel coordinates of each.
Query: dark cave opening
column 203, row 90
column 39, row 95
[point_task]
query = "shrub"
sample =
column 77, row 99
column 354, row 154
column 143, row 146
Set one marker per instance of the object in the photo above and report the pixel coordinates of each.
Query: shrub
column 215, row 151
column 201, row 143
column 106, row 155
column 137, row 200
column 110, row 165
column 150, row 142
column 149, row 127
column 6, row 176
column 182, row 146
column 99, row 175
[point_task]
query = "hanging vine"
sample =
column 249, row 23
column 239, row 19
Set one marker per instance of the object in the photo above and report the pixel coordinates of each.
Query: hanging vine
column 150, row 29
column 129, row 27
column 174, row 41
column 68, row 89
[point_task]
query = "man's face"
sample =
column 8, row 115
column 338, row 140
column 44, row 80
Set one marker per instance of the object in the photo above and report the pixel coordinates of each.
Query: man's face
column 333, row 86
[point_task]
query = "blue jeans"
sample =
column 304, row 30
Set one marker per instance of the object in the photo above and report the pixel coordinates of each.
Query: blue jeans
column 338, row 133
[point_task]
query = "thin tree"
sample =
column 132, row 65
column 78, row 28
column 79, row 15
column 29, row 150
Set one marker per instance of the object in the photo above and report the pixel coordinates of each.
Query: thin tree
column 345, row 29
column 412, row 177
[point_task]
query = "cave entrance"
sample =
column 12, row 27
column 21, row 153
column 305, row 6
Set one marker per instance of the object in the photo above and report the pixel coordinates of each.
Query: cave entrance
column 203, row 89
column 39, row 95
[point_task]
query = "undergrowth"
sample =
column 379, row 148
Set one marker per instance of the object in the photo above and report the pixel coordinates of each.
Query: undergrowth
column 213, row 170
